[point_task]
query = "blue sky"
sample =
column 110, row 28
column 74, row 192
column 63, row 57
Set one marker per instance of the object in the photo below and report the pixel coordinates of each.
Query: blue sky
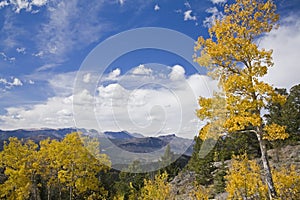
column 44, row 43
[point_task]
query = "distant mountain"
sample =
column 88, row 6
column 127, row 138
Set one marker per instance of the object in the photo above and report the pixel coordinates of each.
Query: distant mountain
column 118, row 135
column 135, row 142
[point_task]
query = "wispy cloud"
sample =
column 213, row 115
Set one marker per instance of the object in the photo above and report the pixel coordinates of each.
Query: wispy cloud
column 188, row 5
column 7, row 58
column 67, row 30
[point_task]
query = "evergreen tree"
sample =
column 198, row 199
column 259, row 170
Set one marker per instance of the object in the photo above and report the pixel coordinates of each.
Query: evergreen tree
column 168, row 164
column 202, row 166
column 130, row 181
column 219, row 179
column 287, row 115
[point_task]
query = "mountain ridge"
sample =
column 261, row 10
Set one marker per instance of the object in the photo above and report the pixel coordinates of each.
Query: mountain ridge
column 132, row 142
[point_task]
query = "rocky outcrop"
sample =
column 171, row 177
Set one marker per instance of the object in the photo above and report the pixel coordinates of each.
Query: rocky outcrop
column 182, row 185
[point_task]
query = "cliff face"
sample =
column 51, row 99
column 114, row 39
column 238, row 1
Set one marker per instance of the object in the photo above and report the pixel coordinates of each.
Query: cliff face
column 183, row 184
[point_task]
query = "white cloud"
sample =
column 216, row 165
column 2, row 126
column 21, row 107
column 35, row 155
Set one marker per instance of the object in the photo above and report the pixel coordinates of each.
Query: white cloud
column 26, row 5
column 17, row 82
column 285, row 43
column 31, row 82
column 156, row 7
column 87, row 78
column 54, row 113
column 215, row 14
column 188, row 16
column 38, row 54
column 3, row 81
column 121, row 2
column 7, row 58
column 8, row 84
column 142, row 70
column 39, row 2
column 21, row 50
column 177, row 73
column 114, row 74
column 3, row 4
column 218, row 1
column 46, row 67
column 212, row 10
column 159, row 104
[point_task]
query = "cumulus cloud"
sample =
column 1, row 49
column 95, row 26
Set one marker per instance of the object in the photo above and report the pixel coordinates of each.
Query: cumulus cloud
column 141, row 70
column 177, row 73
column 17, row 82
column 54, row 113
column 155, row 105
column 156, row 7
column 285, row 43
column 114, row 74
column 188, row 16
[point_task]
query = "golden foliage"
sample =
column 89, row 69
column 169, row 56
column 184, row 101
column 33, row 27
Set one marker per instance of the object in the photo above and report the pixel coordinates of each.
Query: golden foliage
column 20, row 161
column 244, row 180
column 275, row 132
column 287, row 183
column 231, row 55
column 214, row 111
column 67, row 165
column 157, row 189
column 200, row 193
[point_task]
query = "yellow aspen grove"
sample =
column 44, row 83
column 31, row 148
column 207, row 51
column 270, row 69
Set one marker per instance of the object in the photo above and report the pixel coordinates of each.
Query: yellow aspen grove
column 244, row 180
column 232, row 56
column 20, row 162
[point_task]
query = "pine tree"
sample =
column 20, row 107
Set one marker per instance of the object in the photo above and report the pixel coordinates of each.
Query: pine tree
column 202, row 166
column 219, row 179
column 168, row 164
